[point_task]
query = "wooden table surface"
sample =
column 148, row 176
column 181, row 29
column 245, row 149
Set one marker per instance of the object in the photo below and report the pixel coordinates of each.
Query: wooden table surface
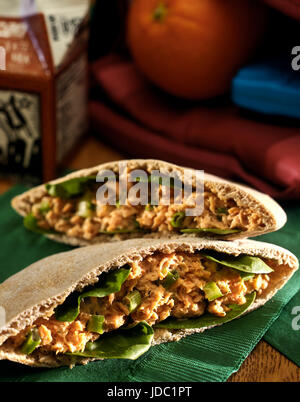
column 264, row 363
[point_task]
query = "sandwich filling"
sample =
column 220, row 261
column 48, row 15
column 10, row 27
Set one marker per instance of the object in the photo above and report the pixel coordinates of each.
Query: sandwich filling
column 159, row 290
column 78, row 214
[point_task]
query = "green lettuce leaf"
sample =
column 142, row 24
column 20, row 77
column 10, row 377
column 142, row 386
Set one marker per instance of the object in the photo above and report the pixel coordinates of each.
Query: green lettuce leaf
column 207, row 319
column 70, row 188
column 210, row 230
column 124, row 343
column 110, row 282
column 244, row 263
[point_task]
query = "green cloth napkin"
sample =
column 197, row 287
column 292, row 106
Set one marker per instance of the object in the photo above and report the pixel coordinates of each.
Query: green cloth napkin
column 211, row 356
column 284, row 335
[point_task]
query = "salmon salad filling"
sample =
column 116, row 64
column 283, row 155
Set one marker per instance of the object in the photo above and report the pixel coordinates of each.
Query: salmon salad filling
column 81, row 216
column 178, row 286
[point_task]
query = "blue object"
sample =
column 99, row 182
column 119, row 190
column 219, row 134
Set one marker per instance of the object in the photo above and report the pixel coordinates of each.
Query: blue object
column 270, row 87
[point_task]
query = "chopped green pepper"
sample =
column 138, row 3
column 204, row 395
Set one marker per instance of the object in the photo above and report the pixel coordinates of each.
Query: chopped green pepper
column 149, row 207
column 222, row 211
column 177, row 219
column 133, row 300
column 44, row 207
column 95, row 323
column 170, row 279
column 84, row 209
column 212, row 291
column 32, row 341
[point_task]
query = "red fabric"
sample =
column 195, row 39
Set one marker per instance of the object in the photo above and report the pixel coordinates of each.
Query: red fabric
column 289, row 7
column 144, row 122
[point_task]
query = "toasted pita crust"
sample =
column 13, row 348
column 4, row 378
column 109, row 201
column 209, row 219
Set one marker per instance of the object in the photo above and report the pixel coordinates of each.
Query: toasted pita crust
column 273, row 216
column 39, row 288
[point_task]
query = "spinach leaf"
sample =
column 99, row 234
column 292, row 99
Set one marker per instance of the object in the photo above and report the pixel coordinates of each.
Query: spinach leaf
column 210, row 230
column 244, row 263
column 128, row 343
column 119, row 231
column 30, row 223
column 136, row 229
column 110, row 282
column 246, row 276
column 163, row 180
column 208, row 319
column 70, row 188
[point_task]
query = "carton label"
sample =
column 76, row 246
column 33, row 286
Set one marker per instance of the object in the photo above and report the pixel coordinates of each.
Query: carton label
column 71, row 105
column 20, row 144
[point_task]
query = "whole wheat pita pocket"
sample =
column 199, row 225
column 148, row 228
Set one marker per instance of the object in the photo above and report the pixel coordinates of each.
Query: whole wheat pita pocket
column 230, row 210
column 74, row 285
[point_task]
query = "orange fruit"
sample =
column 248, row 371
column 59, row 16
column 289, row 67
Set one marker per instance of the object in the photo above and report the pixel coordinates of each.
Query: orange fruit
column 193, row 48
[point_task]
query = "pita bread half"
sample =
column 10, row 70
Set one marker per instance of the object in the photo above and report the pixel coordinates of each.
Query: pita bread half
column 42, row 286
column 272, row 216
